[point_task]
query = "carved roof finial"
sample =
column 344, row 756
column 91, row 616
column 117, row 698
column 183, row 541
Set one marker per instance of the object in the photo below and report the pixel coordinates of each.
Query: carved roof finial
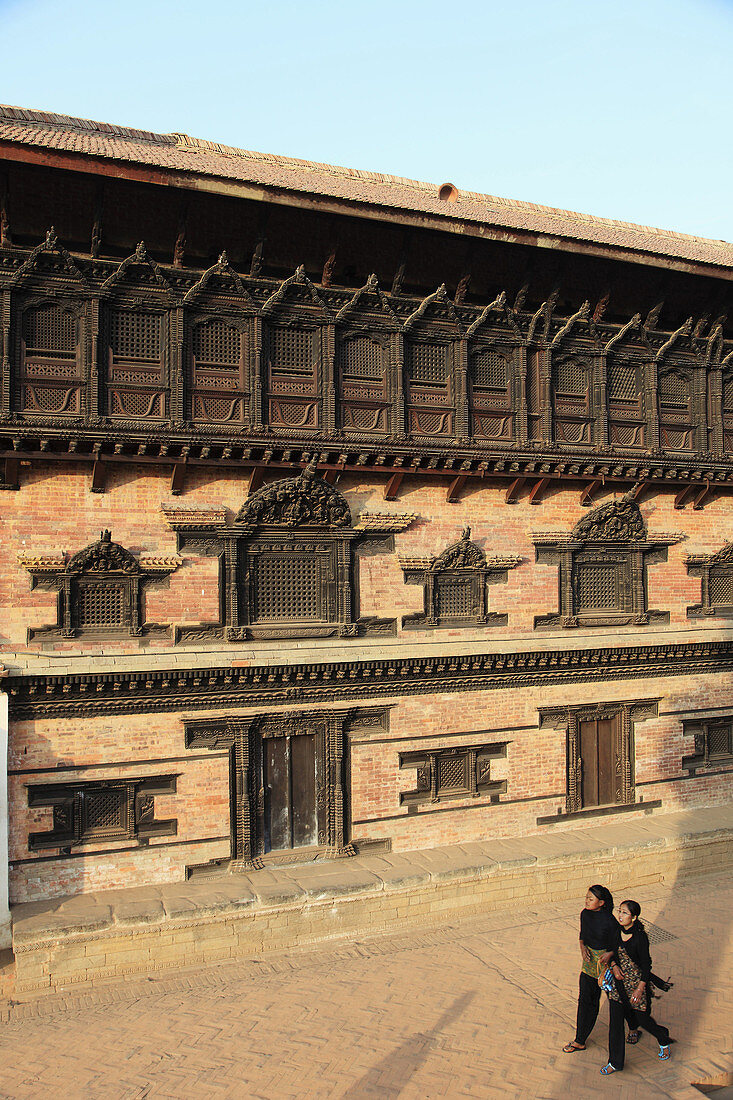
column 51, row 238
column 309, row 472
column 105, row 536
column 466, row 534
column 223, row 259
column 140, row 251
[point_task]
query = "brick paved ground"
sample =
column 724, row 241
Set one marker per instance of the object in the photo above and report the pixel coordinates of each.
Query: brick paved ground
column 475, row 1009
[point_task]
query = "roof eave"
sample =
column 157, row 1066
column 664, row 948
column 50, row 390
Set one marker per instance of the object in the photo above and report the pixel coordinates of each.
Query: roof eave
column 310, row 200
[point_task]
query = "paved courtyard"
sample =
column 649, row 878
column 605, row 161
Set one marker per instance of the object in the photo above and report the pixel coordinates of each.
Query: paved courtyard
column 478, row 1008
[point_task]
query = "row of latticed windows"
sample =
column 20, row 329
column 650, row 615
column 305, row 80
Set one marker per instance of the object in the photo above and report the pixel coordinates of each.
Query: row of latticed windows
column 217, row 353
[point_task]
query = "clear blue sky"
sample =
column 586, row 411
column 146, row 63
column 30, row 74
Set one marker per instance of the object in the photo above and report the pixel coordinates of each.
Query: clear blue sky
column 620, row 109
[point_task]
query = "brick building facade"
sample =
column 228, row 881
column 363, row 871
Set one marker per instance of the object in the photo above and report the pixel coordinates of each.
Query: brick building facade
column 301, row 556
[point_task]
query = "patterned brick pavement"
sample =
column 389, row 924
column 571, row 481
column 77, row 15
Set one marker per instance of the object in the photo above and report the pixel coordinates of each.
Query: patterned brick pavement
column 479, row 1008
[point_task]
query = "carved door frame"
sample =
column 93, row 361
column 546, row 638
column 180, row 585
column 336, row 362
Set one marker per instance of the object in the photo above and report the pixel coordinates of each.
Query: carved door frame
column 243, row 737
column 624, row 763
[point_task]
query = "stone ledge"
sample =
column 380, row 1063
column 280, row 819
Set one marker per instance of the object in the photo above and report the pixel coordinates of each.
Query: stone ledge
column 114, row 933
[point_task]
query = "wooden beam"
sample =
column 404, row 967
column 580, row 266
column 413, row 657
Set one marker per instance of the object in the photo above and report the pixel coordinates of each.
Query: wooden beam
column 454, row 490
column 535, row 493
column 586, row 496
column 701, row 496
column 255, row 479
column 683, row 495
column 392, row 487
column 512, row 494
column 10, row 474
column 99, row 477
column 330, row 476
column 178, row 478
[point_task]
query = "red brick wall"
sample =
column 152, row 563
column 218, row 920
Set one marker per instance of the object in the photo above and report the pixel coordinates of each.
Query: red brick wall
column 54, row 510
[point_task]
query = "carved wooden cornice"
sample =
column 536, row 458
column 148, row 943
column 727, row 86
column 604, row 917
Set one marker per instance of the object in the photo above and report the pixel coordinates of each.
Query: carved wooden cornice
column 58, row 696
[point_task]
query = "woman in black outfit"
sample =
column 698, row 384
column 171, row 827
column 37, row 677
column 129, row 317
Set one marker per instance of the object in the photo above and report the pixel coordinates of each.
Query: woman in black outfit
column 599, row 935
column 632, row 966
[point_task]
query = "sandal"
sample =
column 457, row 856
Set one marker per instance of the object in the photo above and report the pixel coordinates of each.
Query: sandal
column 572, row 1047
column 633, row 1037
column 607, row 1069
column 664, row 1054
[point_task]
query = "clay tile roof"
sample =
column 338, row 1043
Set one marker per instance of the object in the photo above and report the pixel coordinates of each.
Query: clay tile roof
column 181, row 153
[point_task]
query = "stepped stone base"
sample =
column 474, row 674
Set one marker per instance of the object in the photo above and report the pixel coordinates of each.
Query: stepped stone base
column 111, row 934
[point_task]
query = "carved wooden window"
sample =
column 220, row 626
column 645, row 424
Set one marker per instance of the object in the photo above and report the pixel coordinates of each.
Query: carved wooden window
column 136, row 378
column 362, row 362
column 49, row 381
column 625, row 394
column 456, row 585
column 100, row 589
column 675, row 410
column 728, row 411
column 535, row 401
column 716, row 573
column 107, row 810
column 444, row 774
column 219, row 386
column 428, row 371
column 713, row 741
column 571, row 384
column 291, row 359
column 603, row 568
column 490, row 393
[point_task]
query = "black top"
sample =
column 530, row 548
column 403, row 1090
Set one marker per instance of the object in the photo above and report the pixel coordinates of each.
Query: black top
column 599, row 929
column 637, row 948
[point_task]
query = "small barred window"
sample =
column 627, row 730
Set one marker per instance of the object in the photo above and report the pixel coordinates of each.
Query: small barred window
column 290, row 350
column 427, row 364
column 100, row 605
column 721, row 586
column 623, row 381
column 49, row 331
column 361, row 357
column 489, row 370
column 674, row 388
column 571, row 377
column 135, row 335
column 215, row 343
column 286, row 587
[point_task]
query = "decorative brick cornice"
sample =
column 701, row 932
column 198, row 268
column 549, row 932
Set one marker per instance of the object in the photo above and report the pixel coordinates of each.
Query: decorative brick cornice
column 37, row 696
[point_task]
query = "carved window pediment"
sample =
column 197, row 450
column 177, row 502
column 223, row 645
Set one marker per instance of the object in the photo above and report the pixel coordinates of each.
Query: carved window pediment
column 455, row 584
column 603, row 568
column 100, row 589
column 716, row 574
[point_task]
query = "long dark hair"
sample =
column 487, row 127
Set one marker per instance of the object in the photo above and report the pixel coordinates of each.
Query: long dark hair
column 604, row 894
column 635, row 909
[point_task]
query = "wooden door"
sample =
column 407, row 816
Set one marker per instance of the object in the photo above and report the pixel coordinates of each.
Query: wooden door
column 289, row 779
column 598, row 741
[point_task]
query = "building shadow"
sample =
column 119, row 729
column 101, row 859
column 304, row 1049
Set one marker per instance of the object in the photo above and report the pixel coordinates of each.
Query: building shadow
column 388, row 1077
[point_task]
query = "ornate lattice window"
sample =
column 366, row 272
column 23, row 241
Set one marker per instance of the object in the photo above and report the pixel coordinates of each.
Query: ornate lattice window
column 456, row 585
column 219, row 392
column 625, row 394
column 728, row 411
column 716, row 574
column 603, row 568
column 88, row 813
column 290, row 355
column 489, row 372
column 49, row 381
column 571, row 389
column 427, row 364
column 463, row 772
column 675, row 409
column 100, row 589
column 361, row 363
column 136, row 383
column 713, row 741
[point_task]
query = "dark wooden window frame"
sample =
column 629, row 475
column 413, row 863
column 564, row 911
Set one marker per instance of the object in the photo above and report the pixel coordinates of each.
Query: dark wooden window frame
column 61, row 374
column 96, row 568
column 215, row 383
column 709, row 733
column 437, row 770
column 570, row 718
column 73, row 808
column 570, row 410
column 711, row 568
column 612, row 536
column 464, row 565
column 491, row 405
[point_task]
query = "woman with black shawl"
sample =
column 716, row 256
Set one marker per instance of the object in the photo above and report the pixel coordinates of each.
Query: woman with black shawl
column 599, row 935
